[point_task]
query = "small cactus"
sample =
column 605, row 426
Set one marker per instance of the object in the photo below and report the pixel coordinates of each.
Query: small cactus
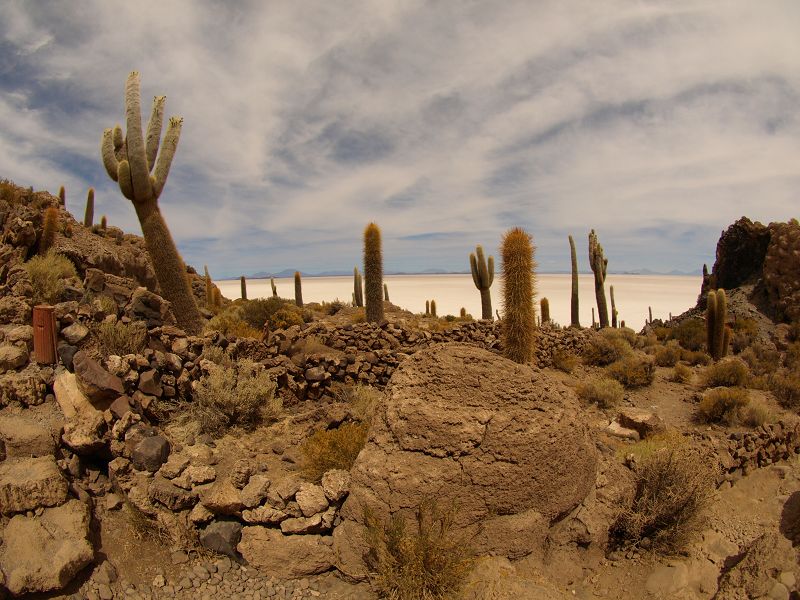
column 103, row 223
column 518, row 290
column 544, row 303
column 433, row 308
column 599, row 264
column 49, row 229
column 574, row 307
column 650, row 314
column 613, row 307
column 717, row 334
column 358, row 288
column 209, row 288
column 373, row 273
column 243, row 285
column 463, row 313
column 386, row 292
column 88, row 215
column 483, row 276
column 274, row 289
column 298, row 289
column 62, row 196
column 427, row 308
column 217, row 298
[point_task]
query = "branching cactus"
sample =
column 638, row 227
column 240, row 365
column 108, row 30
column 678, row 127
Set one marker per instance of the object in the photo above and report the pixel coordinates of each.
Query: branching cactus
column 243, row 285
column 358, row 288
column 129, row 160
column 88, row 216
column 483, row 276
column 298, row 289
column 518, row 290
column 574, row 307
column 599, row 264
column 373, row 273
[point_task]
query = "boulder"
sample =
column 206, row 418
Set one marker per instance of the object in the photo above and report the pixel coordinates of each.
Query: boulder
column 150, row 453
column 750, row 577
column 336, row 484
column 66, row 353
column 84, row 433
column 75, row 333
column 285, row 556
column 255, row 491
column 14, row 309
column 486, row 437
column 222, row 537
column 782, row 270
column 99, row 386
column 148, row 306
column 20, row 334
column 222, row 498
column 21, row 437
column 44, row 553
column 645, row 422
column 149, row 383
column 12, row 357
column 311, row 499
column 30, row 483
column 171, row 495
column 72, row 401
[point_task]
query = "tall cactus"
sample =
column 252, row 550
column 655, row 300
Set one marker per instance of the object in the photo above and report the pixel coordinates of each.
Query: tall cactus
column 358, row 288
column 427, row 308
column 88, row 215
column 717, row 334
column 129, row 161
column 274, row 289
column 613, row 307
column 483, row 276
column 298, row 289
column 518, row 290
column 209, row 288
column 373, row 273
column 545, row 306
column 243, row 285
column 386, row 292
column 433, row 308
column 575, row 320
column 49, row 229
column 599, row 264
column 62, row 196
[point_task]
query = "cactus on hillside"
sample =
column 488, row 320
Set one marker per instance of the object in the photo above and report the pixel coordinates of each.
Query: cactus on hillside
column 545, row 307
column 88, row 215
column 650, row 314
column 358, row 288
column 574, row 307
column 483, row 276
column 386, row 292
column 209, row 288
column 49, row 229
column 298, row 289
column 103, row 222
column 373, row 273
column 613, row 307
column 217, row 298
column 518, row 290
column 62, row 196
column 243, row 285
column 129, row 160
column 717, row 334
column 599, row 264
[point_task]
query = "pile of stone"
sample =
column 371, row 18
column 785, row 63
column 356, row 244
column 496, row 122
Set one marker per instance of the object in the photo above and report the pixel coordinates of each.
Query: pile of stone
column 767, row 444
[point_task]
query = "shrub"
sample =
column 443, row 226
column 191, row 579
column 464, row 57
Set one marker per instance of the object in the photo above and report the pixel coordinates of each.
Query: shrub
column 331, row 308
column 786, row 388
column 217, row 355
column 606, row 393
column 328, row 449
column 605, row 348
column 122, row 338
column 47, row 273
column 723, row 405
column 668, row 355
column 761, row 358
column 690, row 333
column 633, row 371
column 745, row 332
column 241, row 395
column 361, row 398
column 791, row 359
column 564, row 360
column 426, row 562
column 695, row 357
column 681, row 374
column 230, row 322
column 673, row 489
column 756, row 413
column 728, row 372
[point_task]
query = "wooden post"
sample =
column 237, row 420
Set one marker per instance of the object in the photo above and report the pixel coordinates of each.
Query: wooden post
column 44, row 334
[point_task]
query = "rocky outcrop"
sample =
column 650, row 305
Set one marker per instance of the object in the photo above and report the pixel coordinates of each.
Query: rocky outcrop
column 479, row 433
column 782, row 270
column 30, row 483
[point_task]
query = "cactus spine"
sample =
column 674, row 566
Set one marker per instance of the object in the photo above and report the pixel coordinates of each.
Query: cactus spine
column 49, row 228
column 613, row 307
column 129, row 161
column 88, row 215
column 518, row 289
column 545, row 306
column 298, row 289
column 433, row 308
column 373, row 273
column 243, row 285
column 386, row 292
column 483, row 276
column 717, row 334
column 358, row 288
column 574, row 312
column 599, row 264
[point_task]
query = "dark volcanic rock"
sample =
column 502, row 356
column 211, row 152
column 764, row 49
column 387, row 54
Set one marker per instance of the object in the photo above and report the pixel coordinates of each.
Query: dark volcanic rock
column 100, row 386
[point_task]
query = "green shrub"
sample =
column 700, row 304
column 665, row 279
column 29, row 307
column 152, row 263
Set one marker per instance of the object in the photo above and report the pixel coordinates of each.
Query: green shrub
column 227, row 397
column 690, row 333
column 122, row 338
column 286, row 317
column 230, row 322
column 674, row 487
column 728, row 372
column 606, row 393
column 217, row 355
column 723, row 405
column 745, row 332
column 606, row 347
column 564, row 360
column 695, row 357
column 425, row 562
column 47, row 273
column 682, row 374
column 633, row 371
column 668, row 355
column 785, row 385
column 328, row 449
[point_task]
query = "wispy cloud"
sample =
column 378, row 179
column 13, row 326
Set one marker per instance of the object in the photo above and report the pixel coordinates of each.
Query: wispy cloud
column 656, row 123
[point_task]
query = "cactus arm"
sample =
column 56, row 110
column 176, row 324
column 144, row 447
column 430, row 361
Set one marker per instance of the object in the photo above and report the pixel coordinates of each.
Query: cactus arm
column 491, row 271
column 124, row 179
column 473, row 265
column 110, row 161
column 117, row 139
column 140, row 174
column 168, row 148
column 154, row 131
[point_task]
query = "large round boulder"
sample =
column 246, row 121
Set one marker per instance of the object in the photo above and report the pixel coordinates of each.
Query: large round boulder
column 502, row 445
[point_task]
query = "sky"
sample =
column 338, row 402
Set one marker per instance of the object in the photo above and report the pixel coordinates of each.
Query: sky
column 447, row 122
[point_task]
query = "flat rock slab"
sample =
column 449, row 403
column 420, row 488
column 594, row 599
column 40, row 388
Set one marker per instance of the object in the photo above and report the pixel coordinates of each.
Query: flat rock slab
column 41, row 554
column 30, row 483
column 25, row 438
column 285, row 556
column 645, row 422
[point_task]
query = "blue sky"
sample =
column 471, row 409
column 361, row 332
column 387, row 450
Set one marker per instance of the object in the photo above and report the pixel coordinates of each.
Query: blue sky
column 657, row 123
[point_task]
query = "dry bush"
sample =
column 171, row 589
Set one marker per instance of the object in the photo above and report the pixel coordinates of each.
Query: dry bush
column 668, row 355
column 695, row 357
column 426, row 562
column 227, row 397
column 682, row 374
column 674, row 487
column 361, row 398
column 728, row 372
column 633, row 371
column 625, row 333
column 122, row 338
column 47, row 274
column 690, row 334
column 756, row 413
column 791, row 359
column 564, row 361
column 761, row 358
column 723, row 405
column 643, row 449
column 261, row 310
column 217, row 355
column 605, row 348
column 785, row 385
column 328, row 449
column 606, row 393
column 230, row 322
column 745, row 333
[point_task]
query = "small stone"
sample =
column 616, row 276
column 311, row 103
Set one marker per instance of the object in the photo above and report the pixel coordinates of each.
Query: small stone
column 113, row 502
column 149, row 383
column 105, row 573
column 174, row 466
column 778, row 592
column 151, row 453
column 222, row 537
column 336, row 484
column 75, row 333
column 311, row 499
column 104, row 592
column 788, row 579
column 12, row 357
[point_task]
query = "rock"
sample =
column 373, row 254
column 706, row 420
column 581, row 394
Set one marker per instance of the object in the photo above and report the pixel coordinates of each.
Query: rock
column 66, row 353
column 99, row 386
column 120, row 407
column 466, row 426
column 84, row 433
column 171, row 495
column 782, row 270
column 21, row 334
column 645, row 422
column 306, row 525
column 255, row 491
column 316, row 374
column 41, row 554
column 200, row 515
column 29, row 483
column 200, row 474
column 72, row 401
column 12, row 357
column 222, row 537
column 14, row 309
column 150, row 307
column 769, row 553
column 241, row 472
column 336, row 484
column 222, row 498
column 619, row 431
column 113, row 502
column 24, row 438
column 150, row 453
column 174, row 466
column 284, row 490
column 264, row 515
column 75, row 333
column 284, row 556
column 666, row 580
column 106, row 573
column 311, row 499
column 149, row 383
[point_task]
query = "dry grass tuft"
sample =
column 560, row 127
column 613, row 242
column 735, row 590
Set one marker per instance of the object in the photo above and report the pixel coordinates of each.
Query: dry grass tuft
column 682, row 374
column 723, row 405
column 362, row 400
column 668, row 355
column 605, row 348
column 785, row 385
column 121, row 338
column 564, row 361
column 332, row 449
column 728, row 372
column 695, row 357
column 428, row 562
column 633, row 371
column 47, row 273
column 231, row 322
column 606, row 393
column 690, row 334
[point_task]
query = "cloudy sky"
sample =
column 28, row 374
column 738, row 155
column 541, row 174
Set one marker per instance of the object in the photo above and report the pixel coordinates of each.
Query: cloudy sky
column 657, row 123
